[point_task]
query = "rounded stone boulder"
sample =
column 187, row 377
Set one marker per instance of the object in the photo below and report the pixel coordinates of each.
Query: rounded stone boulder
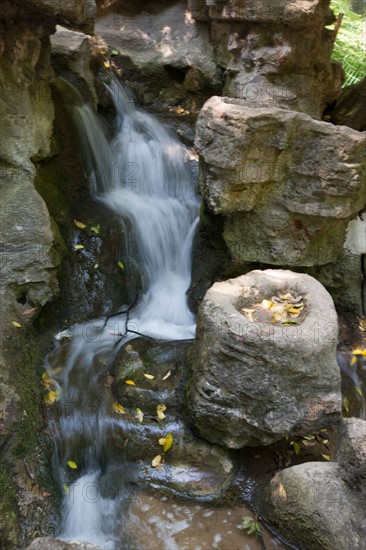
column 265, row 360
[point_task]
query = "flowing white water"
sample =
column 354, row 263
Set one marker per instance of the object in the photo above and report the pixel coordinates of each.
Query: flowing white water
column 142, row 175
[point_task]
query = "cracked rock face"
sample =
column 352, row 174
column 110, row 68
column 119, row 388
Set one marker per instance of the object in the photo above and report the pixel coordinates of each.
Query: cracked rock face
column 286, row 184
column 255, row 382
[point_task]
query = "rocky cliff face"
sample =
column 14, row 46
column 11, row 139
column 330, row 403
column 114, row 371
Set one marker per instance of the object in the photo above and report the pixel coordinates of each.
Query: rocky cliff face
column 283, row 183
column 30, row 244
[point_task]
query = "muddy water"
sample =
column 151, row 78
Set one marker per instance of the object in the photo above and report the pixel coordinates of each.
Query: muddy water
column 162, row 523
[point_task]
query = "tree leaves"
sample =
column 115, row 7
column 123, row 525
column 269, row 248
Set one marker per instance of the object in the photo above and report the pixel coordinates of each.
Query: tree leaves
column 130, row 383
column 149, row 376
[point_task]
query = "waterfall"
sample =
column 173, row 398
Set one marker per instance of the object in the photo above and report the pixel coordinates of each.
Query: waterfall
column 142, row 176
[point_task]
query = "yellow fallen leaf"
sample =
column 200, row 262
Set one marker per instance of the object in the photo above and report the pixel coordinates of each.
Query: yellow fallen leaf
column 326, row 457
column 160, row 411
column 130, row 383
column 359, row 391
column 167, row 375
column 106, row 64
column 78, row 246
column 118, row 408
column 353, row 360
column 66, row 488
column 72, row 464
column 16, row 324
column 346, row 404
column 139, row 415
column 294, row 310
column 162, row 441
column 267, row 304
column 359, row 352
column 81, row 225
column 96, row 266
column 156, row 461
column 168, row 442
column 149, row 376
column 51, row 397
column 121, row 265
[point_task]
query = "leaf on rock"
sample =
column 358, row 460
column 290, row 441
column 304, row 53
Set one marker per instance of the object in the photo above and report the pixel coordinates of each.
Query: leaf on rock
column 327, row 457
column 95, row 229
column 167, row 375
column 66, row 488
column 346, row 404
column 78, row 246
column 71, row 464
column 359, row 391
column 297, row 448
column 120, row 264
column 51, row 397
column 96, row 266
column 359, row 352
column 118, row 408
column 162, row 441
column 149, row 376
column 130, row 383
column 353, row 360
column 16, row 324
column 168, row 442
column 160, row 411
column 139, row 415
column 81, row 225
column 156, row 461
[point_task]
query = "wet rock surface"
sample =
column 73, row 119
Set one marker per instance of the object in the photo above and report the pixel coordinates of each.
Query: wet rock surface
column 317, row 508
column 253, row 381
column 50, row 543
column 192, row 468
column 351, row 455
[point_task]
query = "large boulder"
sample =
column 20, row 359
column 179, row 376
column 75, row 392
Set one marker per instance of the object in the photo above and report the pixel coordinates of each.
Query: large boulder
column 317, row 509
column 163, row 53
column 351, row 454
column 275, row 53
column 253, row 381
column 283, row 202
column 71, row 57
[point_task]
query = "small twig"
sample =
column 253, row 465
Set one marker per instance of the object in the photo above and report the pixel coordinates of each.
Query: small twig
column 338, row 24
column 127, row 311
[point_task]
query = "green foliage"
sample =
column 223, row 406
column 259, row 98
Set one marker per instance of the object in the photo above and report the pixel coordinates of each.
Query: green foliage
column 350, row 45
column 250, row 526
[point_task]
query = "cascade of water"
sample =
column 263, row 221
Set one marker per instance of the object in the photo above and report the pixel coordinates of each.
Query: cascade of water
column 141, row 175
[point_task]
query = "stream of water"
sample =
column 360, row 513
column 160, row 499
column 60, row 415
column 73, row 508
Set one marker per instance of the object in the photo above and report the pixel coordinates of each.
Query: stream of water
column 143, row 177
